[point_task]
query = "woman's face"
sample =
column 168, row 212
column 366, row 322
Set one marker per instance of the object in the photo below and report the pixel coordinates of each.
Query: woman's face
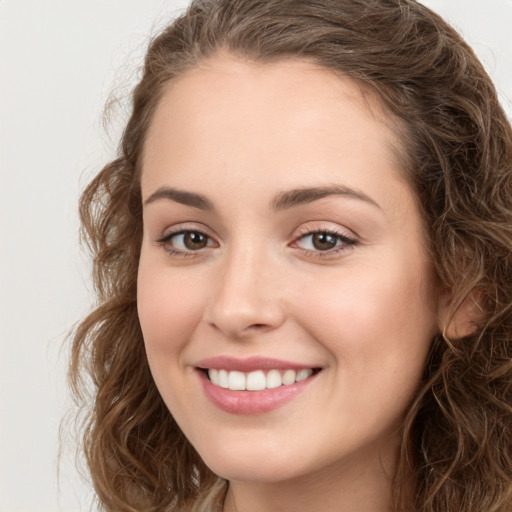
column 282, row 252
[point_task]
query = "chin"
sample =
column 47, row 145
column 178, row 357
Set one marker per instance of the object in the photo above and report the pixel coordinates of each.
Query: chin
column 256, row 465
column 253, row 472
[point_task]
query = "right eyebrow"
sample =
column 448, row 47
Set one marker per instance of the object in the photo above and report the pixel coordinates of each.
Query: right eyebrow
column 180, row 196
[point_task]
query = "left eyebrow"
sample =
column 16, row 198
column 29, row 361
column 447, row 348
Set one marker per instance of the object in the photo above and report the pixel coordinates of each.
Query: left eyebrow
column 302, row 196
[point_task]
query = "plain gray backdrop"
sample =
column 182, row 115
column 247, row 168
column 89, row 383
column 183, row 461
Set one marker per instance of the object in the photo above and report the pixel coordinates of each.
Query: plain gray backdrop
column 59, row 62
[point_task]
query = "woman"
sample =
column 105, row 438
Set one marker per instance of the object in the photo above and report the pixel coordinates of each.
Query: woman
column 302, row 257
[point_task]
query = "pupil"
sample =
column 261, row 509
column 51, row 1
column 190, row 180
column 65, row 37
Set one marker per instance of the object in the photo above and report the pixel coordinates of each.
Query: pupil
column 195, row 241
column 324, row 241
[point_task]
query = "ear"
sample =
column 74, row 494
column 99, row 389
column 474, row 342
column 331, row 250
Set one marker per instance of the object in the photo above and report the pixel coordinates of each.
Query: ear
column 466, row 319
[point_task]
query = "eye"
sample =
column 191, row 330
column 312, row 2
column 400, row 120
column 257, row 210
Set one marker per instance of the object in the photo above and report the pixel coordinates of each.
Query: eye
column 324, row 241
column 186, row 241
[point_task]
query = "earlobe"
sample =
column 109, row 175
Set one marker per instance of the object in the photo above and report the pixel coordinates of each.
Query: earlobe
column 467, row 318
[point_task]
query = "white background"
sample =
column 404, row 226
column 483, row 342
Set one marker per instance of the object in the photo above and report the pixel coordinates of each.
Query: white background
column 59, row 62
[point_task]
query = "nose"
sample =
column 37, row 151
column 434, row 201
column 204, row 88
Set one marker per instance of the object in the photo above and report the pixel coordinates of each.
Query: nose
column 246, row 298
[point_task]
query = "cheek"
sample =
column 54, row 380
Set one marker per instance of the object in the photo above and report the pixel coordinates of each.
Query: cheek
column 169, row 307
column 379, row 319
column 378, row 329
column 169, row 311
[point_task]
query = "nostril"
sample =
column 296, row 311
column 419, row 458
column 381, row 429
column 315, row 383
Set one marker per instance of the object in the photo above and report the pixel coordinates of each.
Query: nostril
column 239, row 318
column 257, row 327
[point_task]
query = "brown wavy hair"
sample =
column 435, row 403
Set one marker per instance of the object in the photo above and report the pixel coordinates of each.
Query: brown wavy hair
column 456, row 147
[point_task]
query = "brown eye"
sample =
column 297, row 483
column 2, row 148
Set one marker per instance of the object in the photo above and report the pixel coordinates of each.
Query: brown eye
column 328, row 242
column 194, row 240
column 324, row 241
column 186, row 241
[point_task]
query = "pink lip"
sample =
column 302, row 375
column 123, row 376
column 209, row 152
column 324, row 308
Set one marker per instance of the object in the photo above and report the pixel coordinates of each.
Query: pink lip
column 249, row 364
column 250, row 402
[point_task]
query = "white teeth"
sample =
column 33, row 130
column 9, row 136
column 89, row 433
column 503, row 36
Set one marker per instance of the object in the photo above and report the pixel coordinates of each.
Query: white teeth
column 223, row 379
column 274, row 379
column 257, row 380
column 303, row 374
column 214, row 376
column 289, row 377
column 236, row 381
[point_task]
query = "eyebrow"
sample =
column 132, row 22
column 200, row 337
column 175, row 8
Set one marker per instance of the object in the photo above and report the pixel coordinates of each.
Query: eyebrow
column 180, row 196
column 302, row 196
column 283, row 201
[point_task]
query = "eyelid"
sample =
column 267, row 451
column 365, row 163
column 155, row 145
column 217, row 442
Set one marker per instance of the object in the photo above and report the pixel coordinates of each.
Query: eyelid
column 186, row 227
column 172, row 234
column 309, row 228
column 183, row 228
column 348, row 239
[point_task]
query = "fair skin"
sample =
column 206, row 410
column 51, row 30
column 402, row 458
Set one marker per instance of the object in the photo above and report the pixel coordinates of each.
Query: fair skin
column 237, row 265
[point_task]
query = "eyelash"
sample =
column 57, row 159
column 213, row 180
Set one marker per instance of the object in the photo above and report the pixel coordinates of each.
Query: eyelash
column 345, row 243
column 164, row 242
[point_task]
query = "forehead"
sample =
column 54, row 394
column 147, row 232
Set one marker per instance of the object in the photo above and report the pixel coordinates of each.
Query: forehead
column 240, row 133
column 205, row 98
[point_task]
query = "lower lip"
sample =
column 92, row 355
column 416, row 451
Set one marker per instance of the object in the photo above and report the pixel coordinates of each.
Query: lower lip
column 252, row 402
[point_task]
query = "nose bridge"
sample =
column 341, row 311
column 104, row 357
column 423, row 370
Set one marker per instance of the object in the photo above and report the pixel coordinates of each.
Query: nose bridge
column 245, row 298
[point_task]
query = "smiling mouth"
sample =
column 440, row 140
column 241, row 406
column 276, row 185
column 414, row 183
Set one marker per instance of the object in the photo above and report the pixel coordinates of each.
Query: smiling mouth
column 258, row 380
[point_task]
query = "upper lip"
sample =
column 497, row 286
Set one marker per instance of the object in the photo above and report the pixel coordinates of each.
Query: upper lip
column 250, row 364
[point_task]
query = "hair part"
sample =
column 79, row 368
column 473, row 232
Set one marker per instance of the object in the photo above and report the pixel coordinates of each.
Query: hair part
column 456, row 451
